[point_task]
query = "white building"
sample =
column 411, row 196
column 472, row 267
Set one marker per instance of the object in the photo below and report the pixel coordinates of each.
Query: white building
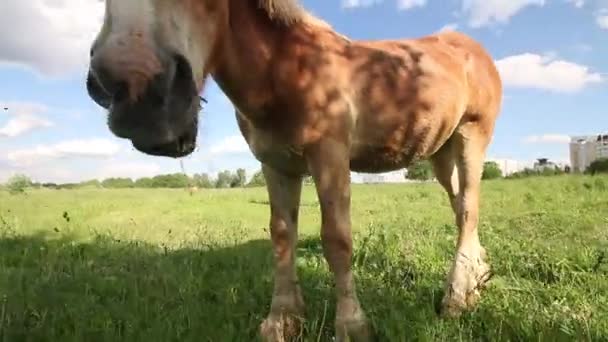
column 586, row 149
column 397, row 176
column 510, row 166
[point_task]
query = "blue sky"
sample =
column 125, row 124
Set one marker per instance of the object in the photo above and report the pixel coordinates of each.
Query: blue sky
column 552, row 55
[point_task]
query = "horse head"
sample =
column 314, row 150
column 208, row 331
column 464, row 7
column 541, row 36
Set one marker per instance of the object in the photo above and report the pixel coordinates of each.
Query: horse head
column 148, row 66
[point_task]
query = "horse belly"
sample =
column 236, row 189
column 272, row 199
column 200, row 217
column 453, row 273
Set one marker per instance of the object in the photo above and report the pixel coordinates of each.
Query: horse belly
column 376, row 159
column 379, row 149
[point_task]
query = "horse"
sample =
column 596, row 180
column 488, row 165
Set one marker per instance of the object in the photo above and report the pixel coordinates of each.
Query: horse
column 309, row 101
column 192, row 190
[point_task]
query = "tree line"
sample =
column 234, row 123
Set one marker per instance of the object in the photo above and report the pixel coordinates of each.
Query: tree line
column 224, row 179
column 420, row 170
column 423, row 170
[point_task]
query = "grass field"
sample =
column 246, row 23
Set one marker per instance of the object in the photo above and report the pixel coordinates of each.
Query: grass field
column 161, row 265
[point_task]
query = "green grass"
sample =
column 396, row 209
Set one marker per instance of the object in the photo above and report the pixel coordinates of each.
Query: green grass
column 161, row 265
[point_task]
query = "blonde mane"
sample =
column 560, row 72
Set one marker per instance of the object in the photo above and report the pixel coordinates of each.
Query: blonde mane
column 290, row 12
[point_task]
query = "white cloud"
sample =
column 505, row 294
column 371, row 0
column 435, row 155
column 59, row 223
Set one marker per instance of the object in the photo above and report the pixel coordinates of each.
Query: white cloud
column 60, row 172
column 25, row 117
column 93, row 148
column 230, row 145
column 359, row 3
column 577, row 3
column 530, row 70
column 547, row 139
column 409, row 4
column 449, row 27
column 485, row 12
column 21, row 125
column 128, row 170
column 51, row 37
column 401, row 4
column 601, row 19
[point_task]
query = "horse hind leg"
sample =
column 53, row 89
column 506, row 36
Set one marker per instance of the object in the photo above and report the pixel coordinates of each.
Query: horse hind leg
column 287, row 308
column 464, row 157
column 444, row 168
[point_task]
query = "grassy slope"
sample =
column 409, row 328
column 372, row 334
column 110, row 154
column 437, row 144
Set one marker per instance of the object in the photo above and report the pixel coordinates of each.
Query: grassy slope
column 164, row 266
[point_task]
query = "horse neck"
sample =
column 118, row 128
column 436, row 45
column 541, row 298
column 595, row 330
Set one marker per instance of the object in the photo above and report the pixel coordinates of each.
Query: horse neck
column 248, row 46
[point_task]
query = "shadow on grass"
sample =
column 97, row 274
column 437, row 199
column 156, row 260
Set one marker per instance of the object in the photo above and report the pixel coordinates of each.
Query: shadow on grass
column 59, row 290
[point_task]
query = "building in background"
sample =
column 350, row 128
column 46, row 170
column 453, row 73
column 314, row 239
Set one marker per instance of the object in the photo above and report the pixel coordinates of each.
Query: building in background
column 510, row 166
column 586, row 149
column 397, row 176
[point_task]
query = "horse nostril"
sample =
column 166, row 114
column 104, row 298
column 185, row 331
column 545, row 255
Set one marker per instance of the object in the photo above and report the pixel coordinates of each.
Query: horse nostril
column 93, row 49
column 121, row 92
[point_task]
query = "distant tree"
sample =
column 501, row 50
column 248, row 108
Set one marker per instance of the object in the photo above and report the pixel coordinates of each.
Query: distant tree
column 144, row 182
column 91, row 183
column 491, row 170
column 239, row 178
column 545, row 171
column 117, row 183
column 598, row 166
column 173, row 181
column 202, row 181
column 552, row 171
column 18, row 183
column 224, row 179
column 420, row 170
column 257, row 179
column 68, row 186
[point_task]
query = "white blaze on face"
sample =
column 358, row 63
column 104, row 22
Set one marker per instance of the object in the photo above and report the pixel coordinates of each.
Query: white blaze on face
column 156, row 21
column 194, row 39
column 129, row 15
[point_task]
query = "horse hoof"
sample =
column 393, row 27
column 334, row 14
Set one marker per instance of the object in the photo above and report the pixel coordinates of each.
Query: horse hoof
column 354, row 331
column 456, row 301
column 453, row 306
column 282, row 328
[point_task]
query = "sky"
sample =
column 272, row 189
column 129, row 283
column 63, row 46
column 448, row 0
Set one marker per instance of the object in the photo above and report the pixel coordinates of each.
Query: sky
column 552, row 56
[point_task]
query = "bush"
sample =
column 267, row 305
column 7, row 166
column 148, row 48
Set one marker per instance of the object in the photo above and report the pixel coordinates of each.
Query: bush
column 257, row 180
column 172, row 181
column 491, row 170
column 527, row 172
column 598, row 166
column 420, row 170
column 18, row 183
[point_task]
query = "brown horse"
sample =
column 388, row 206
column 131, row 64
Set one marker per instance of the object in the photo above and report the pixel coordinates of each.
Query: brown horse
column 309, row 101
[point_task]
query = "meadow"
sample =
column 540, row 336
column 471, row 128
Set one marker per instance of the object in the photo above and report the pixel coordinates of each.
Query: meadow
column 162, row 265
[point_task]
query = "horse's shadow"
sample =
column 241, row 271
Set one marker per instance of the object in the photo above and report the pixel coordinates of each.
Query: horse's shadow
column 56, row 289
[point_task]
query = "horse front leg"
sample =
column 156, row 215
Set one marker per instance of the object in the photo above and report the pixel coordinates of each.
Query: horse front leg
column 287, row 307
column 329, row 165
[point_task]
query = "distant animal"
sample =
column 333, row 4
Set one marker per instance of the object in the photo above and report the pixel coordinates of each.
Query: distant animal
column 309, row 101
column 192, row 190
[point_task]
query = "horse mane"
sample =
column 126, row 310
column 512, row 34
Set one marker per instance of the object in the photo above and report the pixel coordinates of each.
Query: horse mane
column 290, row 12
